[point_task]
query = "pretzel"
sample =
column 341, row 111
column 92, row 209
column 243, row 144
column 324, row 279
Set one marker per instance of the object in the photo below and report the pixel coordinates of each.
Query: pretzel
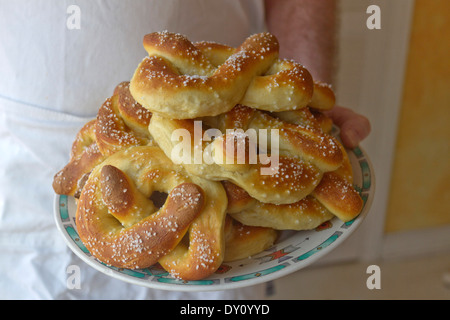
column 308, row 117
column 84, row 156
column 323, row 97
column 182, row 80
column 121, row 122
column 305, row 154
column 120, row 225
column 334, row 196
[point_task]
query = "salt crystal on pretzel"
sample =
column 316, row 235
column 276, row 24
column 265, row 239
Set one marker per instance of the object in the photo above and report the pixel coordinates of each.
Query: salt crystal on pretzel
column 121, row 226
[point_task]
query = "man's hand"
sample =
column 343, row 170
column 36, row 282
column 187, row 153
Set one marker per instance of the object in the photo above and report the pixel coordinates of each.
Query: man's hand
column 354, row 127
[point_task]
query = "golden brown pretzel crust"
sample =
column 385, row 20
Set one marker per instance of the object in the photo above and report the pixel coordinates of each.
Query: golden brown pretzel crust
column 242, row 242
column 202, row 251
column 121, row 122
column 334, row 196
column 306, row 117
column 84, row 156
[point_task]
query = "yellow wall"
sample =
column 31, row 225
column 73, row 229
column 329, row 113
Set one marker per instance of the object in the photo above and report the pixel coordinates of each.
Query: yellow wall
column 420, row 187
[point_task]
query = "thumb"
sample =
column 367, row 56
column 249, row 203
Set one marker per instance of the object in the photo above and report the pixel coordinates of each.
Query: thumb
column 354, row 127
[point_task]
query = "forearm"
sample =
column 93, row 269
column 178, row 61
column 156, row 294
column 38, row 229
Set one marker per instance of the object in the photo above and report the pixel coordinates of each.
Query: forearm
column 306, row 30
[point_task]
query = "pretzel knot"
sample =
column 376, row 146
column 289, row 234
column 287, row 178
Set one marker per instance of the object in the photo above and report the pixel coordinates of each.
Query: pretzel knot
column 183, row 80
column 121, row 226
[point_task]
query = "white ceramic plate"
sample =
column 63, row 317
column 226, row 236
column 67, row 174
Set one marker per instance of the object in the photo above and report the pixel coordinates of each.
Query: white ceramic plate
column 294, row 250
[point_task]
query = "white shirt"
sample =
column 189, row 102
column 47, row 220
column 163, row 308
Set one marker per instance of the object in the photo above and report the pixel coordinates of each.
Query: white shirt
column 54, row 77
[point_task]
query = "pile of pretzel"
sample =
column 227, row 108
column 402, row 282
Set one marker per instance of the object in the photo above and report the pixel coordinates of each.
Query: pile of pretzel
column 138, row 204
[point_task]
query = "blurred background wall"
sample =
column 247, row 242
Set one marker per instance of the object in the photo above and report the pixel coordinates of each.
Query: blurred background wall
column 399, row 77
column 420, row 183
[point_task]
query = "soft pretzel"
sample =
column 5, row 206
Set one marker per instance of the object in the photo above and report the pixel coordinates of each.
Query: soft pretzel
column 121, row 122
column 304, row 154
column 182, row 80
column 334, row 196
column 121, row 226
column 224, row 210
column 335, row 191
column 84, row 156
column 305, row 214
